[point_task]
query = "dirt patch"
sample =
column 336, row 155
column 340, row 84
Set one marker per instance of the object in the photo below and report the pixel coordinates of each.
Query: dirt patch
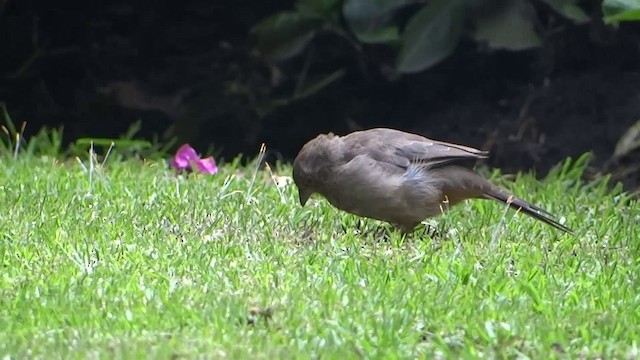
column 537, row 127
column 194, row 70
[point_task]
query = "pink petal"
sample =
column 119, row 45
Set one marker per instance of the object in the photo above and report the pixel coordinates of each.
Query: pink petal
column 207, row 166
column 183, row 157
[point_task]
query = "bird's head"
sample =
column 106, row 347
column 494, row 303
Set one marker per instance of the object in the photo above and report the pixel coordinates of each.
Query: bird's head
column 311, row 164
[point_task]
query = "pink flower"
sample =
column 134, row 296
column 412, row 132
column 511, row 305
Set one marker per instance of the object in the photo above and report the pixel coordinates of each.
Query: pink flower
column 186, row 159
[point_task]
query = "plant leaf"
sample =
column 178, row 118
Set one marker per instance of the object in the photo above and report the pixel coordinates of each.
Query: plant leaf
column 569, row 9
column 285, row 34
column 370, row 20
column 121, row 143
column 510, row 26
column 621, row 10
column 629, row 141
column 326, row 9
column 431, row 35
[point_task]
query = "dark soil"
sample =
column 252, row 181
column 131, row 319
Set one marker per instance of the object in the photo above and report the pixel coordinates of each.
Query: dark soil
column 190, row 70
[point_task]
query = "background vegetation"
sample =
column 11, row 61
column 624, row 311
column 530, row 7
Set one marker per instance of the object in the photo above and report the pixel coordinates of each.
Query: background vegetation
column 519, row 78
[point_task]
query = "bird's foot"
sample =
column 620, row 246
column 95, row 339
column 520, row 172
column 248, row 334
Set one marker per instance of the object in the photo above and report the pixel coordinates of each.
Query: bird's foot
column 428, row 230
column 380, row 233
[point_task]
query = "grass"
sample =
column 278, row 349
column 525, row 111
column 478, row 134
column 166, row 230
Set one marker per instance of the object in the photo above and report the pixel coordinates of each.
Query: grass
column 135, row 262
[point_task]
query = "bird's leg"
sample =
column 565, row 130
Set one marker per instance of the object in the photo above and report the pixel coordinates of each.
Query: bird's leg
column 359, row 226
column 430, row 231
column 434, row 231
column 406, row 229
column 378, row 232
column 343, row 227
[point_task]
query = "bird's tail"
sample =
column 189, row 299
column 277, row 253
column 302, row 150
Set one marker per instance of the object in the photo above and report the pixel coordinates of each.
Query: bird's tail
column 461, row 183
column 534, row 211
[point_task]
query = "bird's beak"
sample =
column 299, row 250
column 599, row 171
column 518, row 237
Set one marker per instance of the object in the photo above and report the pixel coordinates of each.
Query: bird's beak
column 304, row 196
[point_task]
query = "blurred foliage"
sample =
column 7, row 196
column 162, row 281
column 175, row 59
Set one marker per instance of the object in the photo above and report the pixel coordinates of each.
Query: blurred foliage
column 49, row 142
column 621, row 10
column 297, row 27
column 422, row 33
column 127, row 145
column 46, row 142
column 191, row 73
column 629, row 141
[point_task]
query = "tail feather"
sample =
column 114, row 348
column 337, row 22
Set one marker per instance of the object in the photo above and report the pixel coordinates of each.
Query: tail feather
column 534, row 211
column 459, row 183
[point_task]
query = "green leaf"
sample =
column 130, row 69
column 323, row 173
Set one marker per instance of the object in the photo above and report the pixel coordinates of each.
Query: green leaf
column 431, row 35
column 371, row 20
column 121, row 143
column 629, row 142
column 631, row 15
column 385, row 35
column 569, row 9
column 621, row 10
column 326, row 9
column 320, row 84
column 285, row 34
column 510, row 26
column 305, row 92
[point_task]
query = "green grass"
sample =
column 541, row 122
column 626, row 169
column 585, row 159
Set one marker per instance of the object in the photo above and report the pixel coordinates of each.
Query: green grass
column 136, row 262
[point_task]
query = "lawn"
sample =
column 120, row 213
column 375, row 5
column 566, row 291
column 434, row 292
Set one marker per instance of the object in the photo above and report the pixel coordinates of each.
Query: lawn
column 128, row 260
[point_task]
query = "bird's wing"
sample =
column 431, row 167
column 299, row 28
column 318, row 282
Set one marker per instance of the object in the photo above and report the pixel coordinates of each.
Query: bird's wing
column 401, row 149
column 435, row 153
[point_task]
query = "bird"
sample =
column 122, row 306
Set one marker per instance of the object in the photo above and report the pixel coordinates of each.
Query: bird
column 398, row 177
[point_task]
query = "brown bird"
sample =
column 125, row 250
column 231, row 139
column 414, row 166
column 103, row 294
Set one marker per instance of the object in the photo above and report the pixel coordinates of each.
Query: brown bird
column 397, row 177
